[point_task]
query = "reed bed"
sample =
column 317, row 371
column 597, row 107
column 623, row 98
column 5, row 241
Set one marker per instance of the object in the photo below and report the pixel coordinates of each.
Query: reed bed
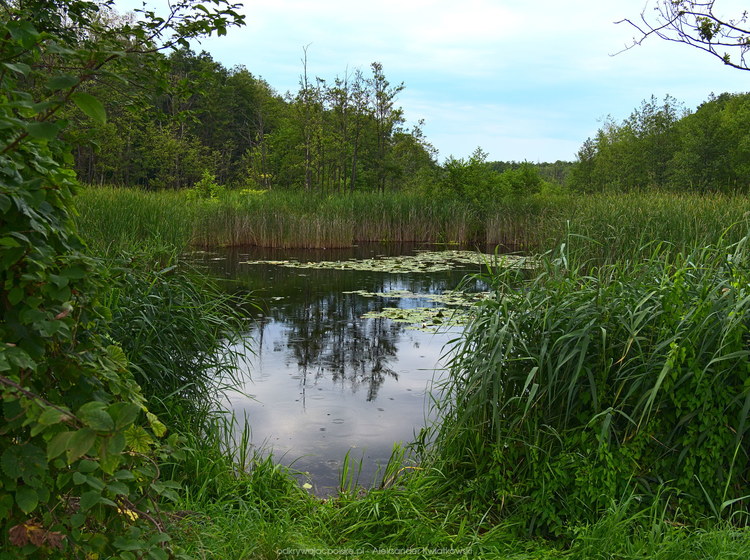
column 609, row 227
column 594, row 382
column 115, row 219
column 603, row 400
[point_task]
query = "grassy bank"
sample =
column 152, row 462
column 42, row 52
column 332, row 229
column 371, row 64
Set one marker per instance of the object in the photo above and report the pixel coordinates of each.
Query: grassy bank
column 597, row 409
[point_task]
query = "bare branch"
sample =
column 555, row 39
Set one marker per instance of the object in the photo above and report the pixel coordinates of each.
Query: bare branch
column 698, row 25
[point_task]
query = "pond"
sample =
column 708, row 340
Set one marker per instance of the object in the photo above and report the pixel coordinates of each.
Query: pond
column 345, row 350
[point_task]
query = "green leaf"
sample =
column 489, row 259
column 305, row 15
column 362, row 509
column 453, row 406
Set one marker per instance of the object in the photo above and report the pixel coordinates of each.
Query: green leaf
column 138, row 439
column 94, row 415
column 58, row 444
column 108, row 462
column 124, row 475
column 123, row 414
column 91, row 106
column 87, row 466
column 118, row 488
column 43, row 130
column 26, row 461
column 90, row 499
column 158, row 428
column 79, row 478
column 116, row 443
column 27, row 499
column 15, row 295
column 10, row 464
column 58, row 49
column 158, row 554
column 18, row 67
column 80, row 443
column 96, row 483
column 63, row 81
column 52, row 416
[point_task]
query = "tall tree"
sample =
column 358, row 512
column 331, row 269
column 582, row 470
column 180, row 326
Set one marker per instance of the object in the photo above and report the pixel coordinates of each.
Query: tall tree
column 387, row 117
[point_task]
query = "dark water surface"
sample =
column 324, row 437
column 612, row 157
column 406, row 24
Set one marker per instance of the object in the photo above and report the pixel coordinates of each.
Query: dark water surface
column 320, row 380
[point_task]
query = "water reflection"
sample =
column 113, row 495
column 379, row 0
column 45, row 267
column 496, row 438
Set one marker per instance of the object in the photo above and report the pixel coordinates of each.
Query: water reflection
column 320, row 379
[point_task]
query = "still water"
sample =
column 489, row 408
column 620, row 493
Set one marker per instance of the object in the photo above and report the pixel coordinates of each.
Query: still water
column 319, row 379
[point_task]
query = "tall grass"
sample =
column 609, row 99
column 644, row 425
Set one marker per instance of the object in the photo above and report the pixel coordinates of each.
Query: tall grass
column 174, row 325
column 591, row 382
column 615, row 226
column 604, row 400
column 113, row 220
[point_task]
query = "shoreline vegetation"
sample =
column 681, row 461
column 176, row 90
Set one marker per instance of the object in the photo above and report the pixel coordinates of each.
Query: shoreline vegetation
column 600, row 412
column 609, row 225
column 585, row 419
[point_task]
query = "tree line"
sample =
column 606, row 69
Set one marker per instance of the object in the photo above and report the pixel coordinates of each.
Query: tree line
column 662, row 145
column 196, row 116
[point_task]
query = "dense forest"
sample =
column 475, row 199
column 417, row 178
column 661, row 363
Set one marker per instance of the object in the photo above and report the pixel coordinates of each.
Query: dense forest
column 663, row 145
column 345, row 135
column 193, row 117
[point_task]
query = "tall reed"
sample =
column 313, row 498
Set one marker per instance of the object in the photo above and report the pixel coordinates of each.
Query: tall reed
column 590, row 382
column 614, row 225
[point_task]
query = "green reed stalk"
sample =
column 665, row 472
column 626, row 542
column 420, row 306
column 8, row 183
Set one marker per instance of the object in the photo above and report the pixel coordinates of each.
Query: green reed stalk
column 589, row 381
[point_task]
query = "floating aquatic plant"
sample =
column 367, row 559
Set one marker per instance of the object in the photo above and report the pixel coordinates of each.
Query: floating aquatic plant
column 421, row 262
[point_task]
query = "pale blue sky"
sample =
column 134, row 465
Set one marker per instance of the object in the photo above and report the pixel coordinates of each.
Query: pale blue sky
column 525, row 80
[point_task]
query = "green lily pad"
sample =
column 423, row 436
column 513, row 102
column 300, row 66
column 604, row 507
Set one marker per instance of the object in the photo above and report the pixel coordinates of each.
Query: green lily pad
column 422, row 262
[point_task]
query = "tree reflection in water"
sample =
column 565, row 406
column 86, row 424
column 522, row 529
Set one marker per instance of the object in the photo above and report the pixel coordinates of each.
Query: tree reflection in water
column 323, row 379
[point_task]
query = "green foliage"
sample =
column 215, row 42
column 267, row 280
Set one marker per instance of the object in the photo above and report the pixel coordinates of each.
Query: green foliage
column 662, row 146
column 473, row 180
column 177, row 329
column 197, row 115
column 206, row 188
column 79, row 449
column 590, row 383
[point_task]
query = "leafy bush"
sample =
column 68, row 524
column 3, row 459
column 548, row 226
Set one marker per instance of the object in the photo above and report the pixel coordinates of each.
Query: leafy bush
column 206, row 187
column 79, row 449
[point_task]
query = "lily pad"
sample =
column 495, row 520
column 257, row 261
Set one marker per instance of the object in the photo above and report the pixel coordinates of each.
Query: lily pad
column 424, row 262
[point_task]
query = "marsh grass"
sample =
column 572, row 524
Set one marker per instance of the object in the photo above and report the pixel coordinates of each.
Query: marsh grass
column 615, row 226
column 593, row 381
column 601, row 402
column 175, row 326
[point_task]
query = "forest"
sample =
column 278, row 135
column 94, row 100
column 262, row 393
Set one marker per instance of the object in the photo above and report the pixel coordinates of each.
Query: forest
column 596, row 402
column 348, row 133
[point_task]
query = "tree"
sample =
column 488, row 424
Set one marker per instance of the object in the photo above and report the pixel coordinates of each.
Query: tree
column 700, row 25
column 387, row 117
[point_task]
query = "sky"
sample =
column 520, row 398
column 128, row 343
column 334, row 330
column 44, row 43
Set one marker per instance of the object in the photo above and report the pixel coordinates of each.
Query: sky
column 524, row 80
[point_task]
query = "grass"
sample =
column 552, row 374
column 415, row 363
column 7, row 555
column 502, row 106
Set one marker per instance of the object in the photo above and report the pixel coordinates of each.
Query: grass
column 174, row 325
column 599, row 404
column 592, row 381
column 614, row 226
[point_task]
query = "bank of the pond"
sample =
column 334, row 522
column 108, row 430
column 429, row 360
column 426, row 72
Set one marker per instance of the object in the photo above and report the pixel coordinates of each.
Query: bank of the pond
column 622, row 331
column 607, row 226
column 570, row 411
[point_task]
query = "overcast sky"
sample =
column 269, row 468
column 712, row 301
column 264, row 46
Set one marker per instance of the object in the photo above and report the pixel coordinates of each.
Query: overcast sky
column 525, row 80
